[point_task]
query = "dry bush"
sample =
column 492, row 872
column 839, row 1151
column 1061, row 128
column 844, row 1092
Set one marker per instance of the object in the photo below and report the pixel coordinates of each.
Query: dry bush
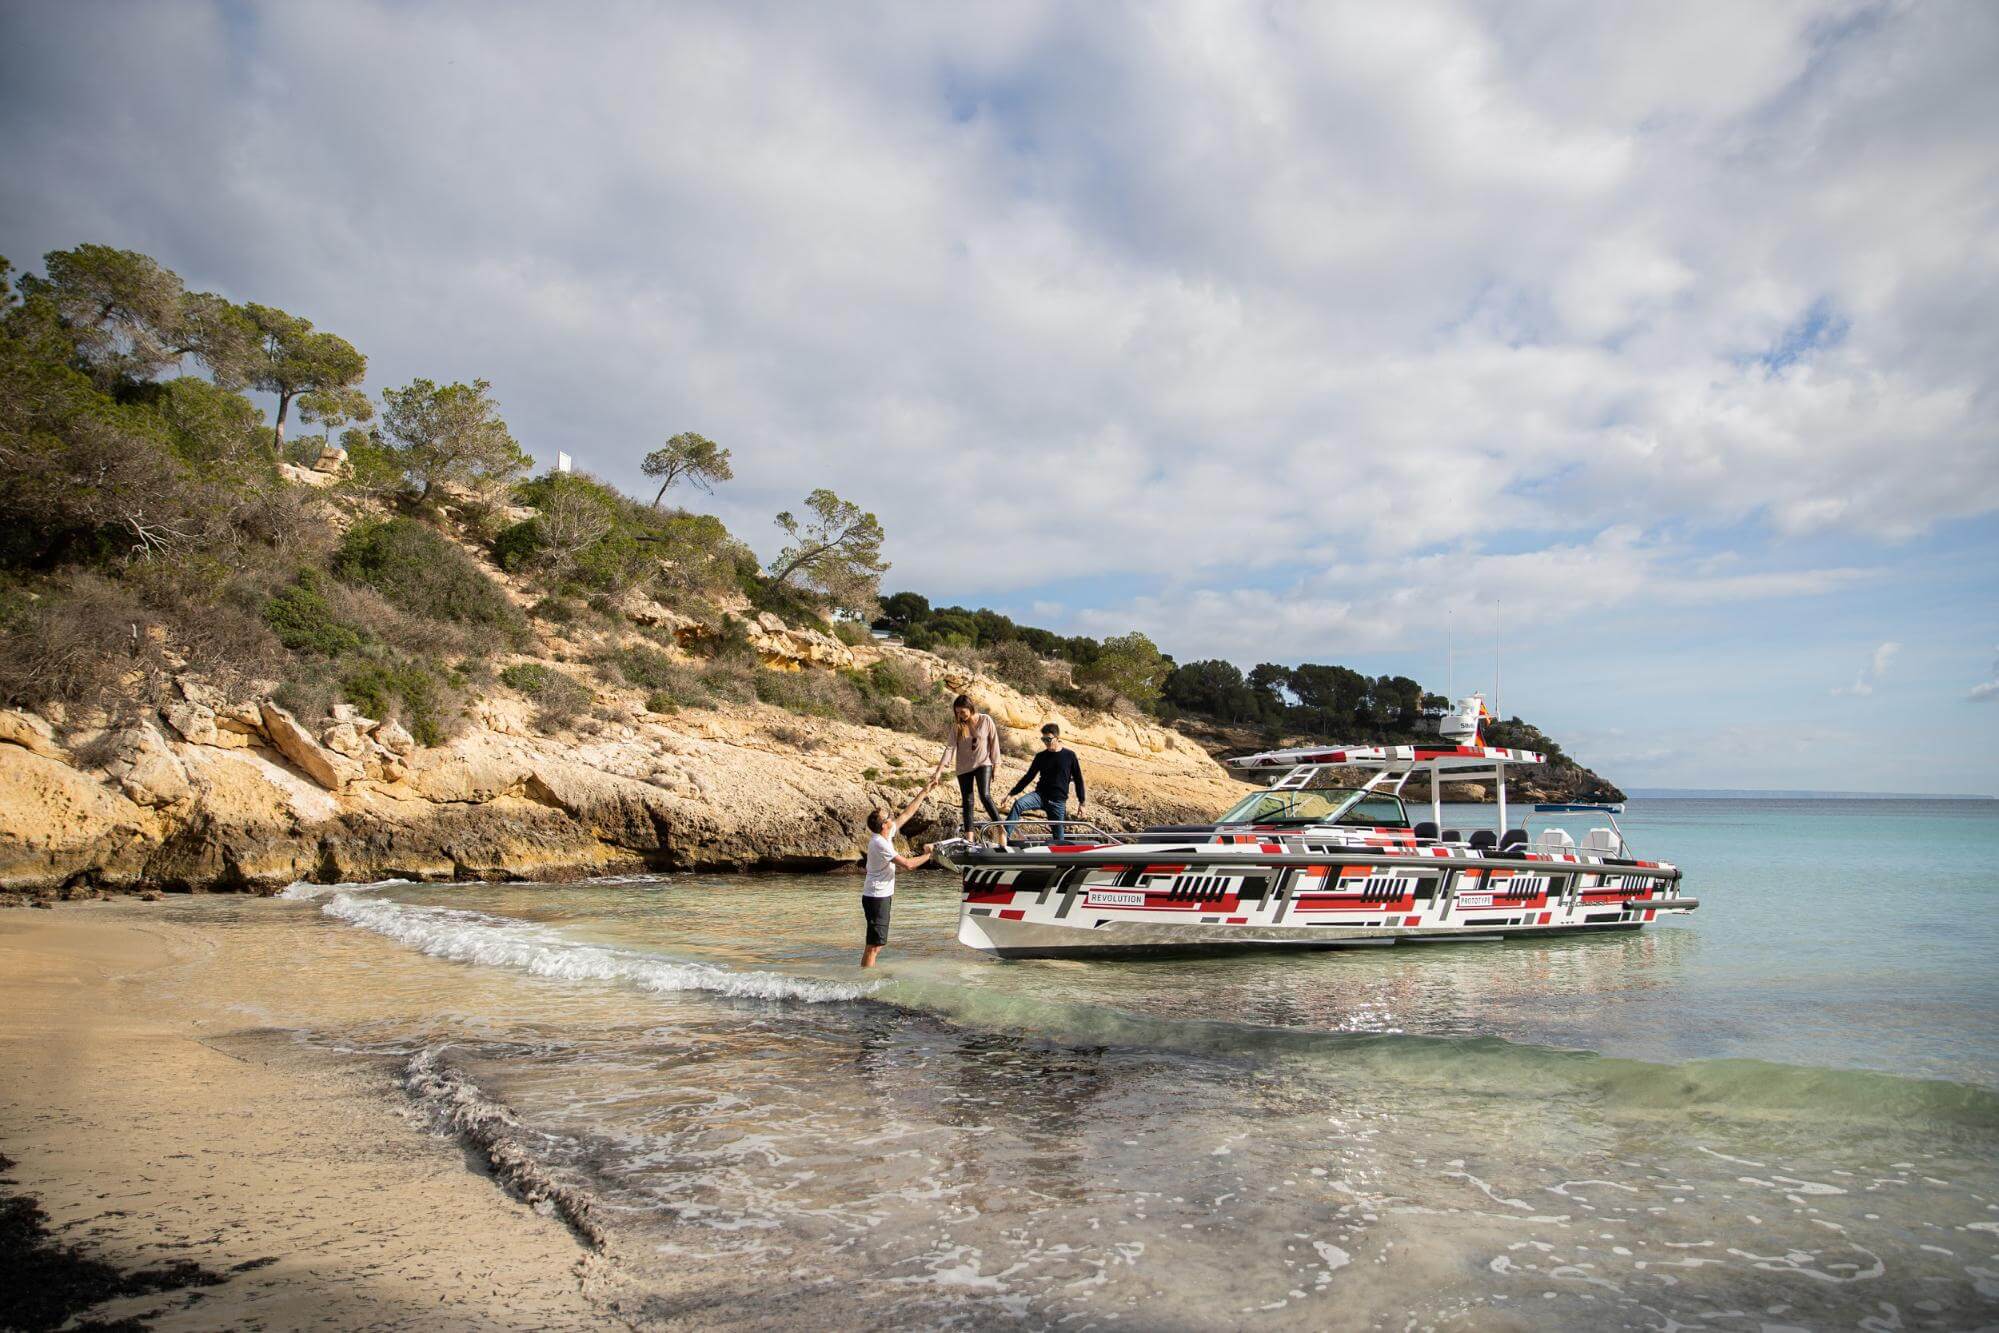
column 289, row 522
column 731, row 679
column 74, row 642
column 797, row 737
column 812, row 694
column 1018, row 665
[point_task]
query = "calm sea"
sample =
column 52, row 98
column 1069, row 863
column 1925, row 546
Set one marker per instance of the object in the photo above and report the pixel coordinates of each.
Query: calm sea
column 1780, row 1112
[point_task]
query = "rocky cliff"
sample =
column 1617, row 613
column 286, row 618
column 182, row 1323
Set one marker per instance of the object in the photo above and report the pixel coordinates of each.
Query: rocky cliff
column 212, row 792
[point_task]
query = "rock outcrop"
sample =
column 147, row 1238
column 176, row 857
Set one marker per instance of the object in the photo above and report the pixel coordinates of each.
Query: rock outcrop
column 212, row 793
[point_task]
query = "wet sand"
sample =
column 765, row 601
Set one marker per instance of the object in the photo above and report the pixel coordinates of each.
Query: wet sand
column 155, row 1130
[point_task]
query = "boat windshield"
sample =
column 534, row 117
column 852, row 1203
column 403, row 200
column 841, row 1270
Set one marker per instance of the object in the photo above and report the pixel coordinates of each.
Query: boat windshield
column 1319, row 805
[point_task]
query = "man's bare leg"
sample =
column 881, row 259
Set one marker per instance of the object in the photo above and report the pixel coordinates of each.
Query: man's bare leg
column 868, row 955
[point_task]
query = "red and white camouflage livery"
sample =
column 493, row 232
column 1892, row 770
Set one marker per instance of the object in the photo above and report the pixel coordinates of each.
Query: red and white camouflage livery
column 1301, row 865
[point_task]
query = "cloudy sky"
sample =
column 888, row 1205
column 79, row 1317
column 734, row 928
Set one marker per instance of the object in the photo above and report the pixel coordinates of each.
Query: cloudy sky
column 1648, row 352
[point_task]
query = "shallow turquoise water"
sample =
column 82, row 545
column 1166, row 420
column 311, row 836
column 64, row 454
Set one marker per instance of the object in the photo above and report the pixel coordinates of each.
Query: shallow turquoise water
column 1782, row 1110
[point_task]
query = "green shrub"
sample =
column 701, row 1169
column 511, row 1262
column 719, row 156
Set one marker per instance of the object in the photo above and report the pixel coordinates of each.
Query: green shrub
column 1090, row 697
column 1018, row 665
column 649, row 669
column 557, row 611
column 410, row 691
column 731, row 640
column 211, row 427
column 530, row 678
column 795, row 606
column 659, row 701
column 896, row 697
column 559, row 698
column 373, row 469
column 417, row 569
column 518, row 546
column 305, row 621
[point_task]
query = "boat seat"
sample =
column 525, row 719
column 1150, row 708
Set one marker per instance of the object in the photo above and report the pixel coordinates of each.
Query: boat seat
column 1555, row 840
column 1425, row 831
column 1450, row 835
column 1601, row 840
column 1514, row 837
column 1482, row 839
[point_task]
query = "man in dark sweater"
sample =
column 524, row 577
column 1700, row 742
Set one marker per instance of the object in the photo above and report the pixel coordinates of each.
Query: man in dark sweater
column 1051, row 773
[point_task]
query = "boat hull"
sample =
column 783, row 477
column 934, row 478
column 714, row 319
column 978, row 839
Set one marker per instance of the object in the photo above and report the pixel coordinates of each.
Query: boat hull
column 1133, row 902
column 1033, row 939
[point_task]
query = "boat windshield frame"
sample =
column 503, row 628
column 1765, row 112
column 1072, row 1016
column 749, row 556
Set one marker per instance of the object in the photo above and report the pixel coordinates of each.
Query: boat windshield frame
column 1342, row 800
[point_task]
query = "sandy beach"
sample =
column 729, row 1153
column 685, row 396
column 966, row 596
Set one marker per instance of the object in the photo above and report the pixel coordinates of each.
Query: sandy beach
column 155, row 1128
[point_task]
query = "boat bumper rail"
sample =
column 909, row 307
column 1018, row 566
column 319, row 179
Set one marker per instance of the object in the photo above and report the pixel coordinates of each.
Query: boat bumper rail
column 1663, row 904
column 950, row 854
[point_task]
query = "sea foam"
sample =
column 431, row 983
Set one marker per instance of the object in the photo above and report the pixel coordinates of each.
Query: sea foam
column 474, row 937
column 306, row 891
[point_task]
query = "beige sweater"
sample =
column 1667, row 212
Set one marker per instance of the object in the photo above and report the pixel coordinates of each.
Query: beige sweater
column 979, row 748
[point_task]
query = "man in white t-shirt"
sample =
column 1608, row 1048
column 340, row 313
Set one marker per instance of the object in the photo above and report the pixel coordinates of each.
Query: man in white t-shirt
column 878, row 888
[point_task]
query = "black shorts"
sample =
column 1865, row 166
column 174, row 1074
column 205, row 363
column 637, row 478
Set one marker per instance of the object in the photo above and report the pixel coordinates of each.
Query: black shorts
column 876, row 911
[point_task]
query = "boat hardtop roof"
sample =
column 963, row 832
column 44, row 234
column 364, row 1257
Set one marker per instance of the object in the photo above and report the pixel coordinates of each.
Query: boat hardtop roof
column 1442, row 758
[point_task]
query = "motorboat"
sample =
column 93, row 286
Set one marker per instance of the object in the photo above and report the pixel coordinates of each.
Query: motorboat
column 1309, row 861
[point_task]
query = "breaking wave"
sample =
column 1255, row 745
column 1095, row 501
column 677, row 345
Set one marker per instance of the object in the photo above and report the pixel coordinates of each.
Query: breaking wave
column 306, row 891
column 463, row 936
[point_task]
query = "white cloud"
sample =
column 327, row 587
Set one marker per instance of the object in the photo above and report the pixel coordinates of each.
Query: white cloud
column 1324, row 295
column 1986, row 690
column 1396, row 601
column 1871, row 674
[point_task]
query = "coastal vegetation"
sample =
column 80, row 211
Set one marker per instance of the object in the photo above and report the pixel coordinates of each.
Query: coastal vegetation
column 404, row 565
column 1213, row 700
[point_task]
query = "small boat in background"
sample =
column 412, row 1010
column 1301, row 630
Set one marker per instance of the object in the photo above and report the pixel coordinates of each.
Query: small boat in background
column 1579, row 807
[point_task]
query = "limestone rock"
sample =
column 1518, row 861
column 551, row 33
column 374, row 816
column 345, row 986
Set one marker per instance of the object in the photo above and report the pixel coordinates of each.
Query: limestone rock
column 29, row 732
column 645, row 611
column 701, row 788
column 57, row 824
column 393, row 737
column 305, row 476
column 243, row 719
column 200, row 692
column 346, row 738
column 145, row 769
column 781, row 647
column 195, row 723
column 331, row 771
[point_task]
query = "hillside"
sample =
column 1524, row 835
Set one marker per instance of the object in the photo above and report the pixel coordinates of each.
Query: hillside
column 233, row 659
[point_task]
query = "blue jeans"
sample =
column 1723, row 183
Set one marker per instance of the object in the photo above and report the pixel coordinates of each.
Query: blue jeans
column 1057, row 811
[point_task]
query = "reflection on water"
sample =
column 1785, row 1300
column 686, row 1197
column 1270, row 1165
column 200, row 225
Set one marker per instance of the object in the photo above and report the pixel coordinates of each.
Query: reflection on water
column 1631, row 1131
